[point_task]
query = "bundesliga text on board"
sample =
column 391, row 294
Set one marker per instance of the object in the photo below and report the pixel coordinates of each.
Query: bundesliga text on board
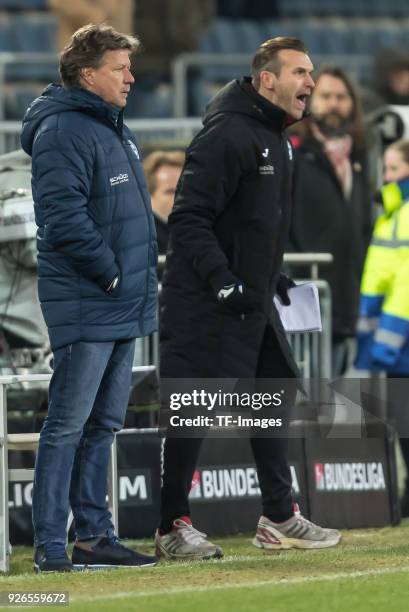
column 349, row 476
column 230, row 482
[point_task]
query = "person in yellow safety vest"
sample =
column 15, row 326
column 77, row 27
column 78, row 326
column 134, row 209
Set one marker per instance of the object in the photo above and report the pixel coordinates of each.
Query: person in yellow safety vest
column 383, row 324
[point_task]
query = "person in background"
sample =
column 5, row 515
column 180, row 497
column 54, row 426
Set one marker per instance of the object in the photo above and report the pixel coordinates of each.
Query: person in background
column 162, row 171
column 332, row 205
column 97, row 287
column 392, row 76
column 73, row 14
column 383, row 325
column 168, row 29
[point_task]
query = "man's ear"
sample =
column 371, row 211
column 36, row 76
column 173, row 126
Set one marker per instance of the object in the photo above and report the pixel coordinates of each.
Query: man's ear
column 87, row 75
column 268, row 80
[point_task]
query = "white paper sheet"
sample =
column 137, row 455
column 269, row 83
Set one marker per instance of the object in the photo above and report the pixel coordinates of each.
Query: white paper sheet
column 303, row 314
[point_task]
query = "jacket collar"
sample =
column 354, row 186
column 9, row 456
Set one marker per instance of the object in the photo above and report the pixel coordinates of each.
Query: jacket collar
column 268, row 112
column 394, row 195
column 93, row 104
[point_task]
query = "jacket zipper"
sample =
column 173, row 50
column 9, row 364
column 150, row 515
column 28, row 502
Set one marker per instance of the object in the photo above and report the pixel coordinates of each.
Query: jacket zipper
column 126, row 147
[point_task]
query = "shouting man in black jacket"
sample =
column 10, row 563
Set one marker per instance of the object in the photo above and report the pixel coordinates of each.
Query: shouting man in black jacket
column 228, row 229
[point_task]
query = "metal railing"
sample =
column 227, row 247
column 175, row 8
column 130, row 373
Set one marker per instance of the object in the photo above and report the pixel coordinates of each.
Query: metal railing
column 7, row 59
column 5, row 382
column 151, row 133
column 312, row 351
column 356, row 65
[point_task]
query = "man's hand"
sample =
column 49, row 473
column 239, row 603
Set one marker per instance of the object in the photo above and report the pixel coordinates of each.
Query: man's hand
column 232, row 292
column 284, row 283
column 236, row 297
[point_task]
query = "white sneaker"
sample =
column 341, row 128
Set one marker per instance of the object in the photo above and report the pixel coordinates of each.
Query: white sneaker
column 296, row 532
column 185, row 542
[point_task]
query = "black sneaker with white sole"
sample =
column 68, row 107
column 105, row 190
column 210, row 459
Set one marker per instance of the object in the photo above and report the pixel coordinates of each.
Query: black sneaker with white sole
column 108, row 553
column 51, row 557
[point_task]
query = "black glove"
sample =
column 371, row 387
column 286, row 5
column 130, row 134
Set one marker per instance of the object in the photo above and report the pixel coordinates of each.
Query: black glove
column 284, row 283
column 232, row 292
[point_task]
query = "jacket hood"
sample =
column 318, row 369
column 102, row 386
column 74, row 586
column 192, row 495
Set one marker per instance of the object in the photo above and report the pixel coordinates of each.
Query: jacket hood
column 57, row 99
column 239, row 96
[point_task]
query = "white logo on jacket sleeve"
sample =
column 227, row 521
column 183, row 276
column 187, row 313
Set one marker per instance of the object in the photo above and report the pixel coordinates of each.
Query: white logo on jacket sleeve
column 116, row 180
column 134, row 148
column 290, row 150
column 265, row 152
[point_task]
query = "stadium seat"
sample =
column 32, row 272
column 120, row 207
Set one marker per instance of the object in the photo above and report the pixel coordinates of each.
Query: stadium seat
column 150, row 103
column 6, row 42
column 250, row 33
column 342, row 8
column 34, row 32
column 18, row 97
column 221, row 37
column 23, row 5
column 201, row 91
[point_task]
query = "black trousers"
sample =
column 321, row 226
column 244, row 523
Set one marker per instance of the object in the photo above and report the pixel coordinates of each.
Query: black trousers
column 270, row 455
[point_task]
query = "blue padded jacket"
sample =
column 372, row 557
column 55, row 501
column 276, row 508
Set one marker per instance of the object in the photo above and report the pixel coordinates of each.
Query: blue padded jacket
column 94, row 219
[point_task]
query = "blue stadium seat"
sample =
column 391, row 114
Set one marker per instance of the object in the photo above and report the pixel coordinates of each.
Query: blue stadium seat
column 19, row 97
column 314, row 38
column 329, row 37
column 387, row 37
column 201, row 91
column 232, row 9
column 221, row 37
column 6, row 41
column 46, row 72
column 34, row 32
column 250, row 33
column 280, row 27
column 23, row 5
column 346, row 8
column 150, row 103
column 306, row 8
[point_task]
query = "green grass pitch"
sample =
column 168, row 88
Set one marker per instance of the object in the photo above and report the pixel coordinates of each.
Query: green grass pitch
column 367, row 572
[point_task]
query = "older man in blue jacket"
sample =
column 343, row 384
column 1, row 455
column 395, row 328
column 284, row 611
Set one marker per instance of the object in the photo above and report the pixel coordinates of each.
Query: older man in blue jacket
column 97, row 286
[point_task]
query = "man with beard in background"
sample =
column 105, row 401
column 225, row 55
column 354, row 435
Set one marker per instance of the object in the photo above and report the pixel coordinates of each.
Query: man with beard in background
column 332, row 198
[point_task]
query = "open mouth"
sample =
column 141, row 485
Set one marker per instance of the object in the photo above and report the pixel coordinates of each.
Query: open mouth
column 302, row 101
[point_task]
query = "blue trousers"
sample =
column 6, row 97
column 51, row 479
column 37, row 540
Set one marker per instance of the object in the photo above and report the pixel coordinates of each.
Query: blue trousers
column 88, row 397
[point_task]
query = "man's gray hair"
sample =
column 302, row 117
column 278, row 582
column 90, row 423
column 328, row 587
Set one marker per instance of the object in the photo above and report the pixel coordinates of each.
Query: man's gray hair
column 87, row 47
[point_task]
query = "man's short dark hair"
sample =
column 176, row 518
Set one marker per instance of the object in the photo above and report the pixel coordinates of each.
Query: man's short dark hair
column 87, row 47
column 267, row 58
